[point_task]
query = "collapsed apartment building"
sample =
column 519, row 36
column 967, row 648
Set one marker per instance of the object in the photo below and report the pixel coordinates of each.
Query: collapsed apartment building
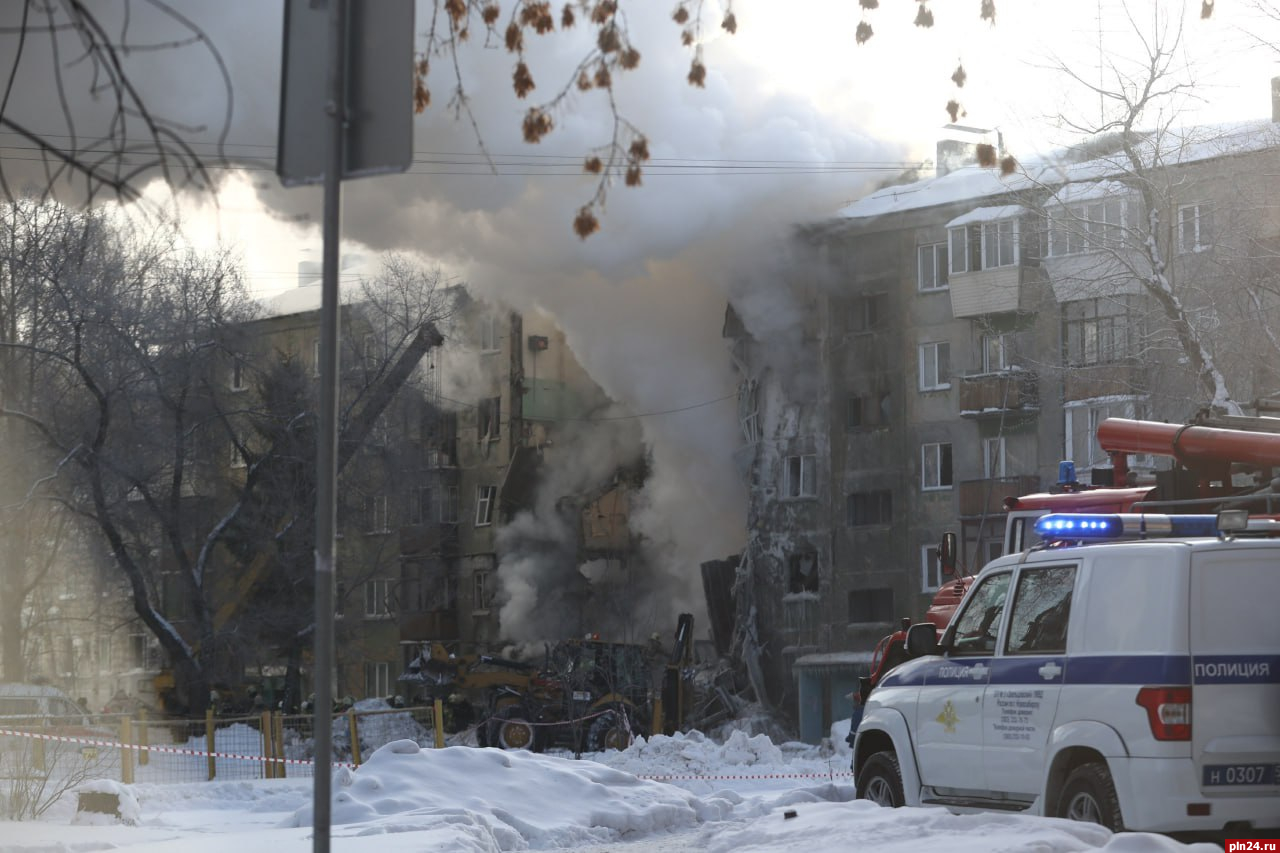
column 955, row 339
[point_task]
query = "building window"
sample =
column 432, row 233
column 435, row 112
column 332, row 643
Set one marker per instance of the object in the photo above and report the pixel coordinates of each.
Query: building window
column 999, row 243
column 930, row 568
column 871, row 605
column 867, row 313
column 802, row 570
column 377, row 598
column 236, row 457
column 377, row 679
column 375, row 514
column 866, row 410
column 449, row 503
column 984, row 246
column 315, row 357
column 340, row 600
column 1195, row 227
column 1087, row 227
column 996, row 352
column 932, row 267
column 489, row 419
column 483, row 592
column 1081, row 429
column 237, row 380
column 420, row 501
column 993, row 457
column 489, row 339
column 935, row 466
column 484, row 505
column 866, row 508
column 935, row 366
column 1098, row 331
column 853, row 412
column 104, row 654
column 800, row 476
column 369, row 354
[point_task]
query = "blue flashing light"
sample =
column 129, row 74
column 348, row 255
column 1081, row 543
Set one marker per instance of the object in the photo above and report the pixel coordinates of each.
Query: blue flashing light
column 1080, row 527
column 1066, row 472
column 1064, row 525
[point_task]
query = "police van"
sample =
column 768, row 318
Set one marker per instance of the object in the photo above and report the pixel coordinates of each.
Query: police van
column 1125, row 671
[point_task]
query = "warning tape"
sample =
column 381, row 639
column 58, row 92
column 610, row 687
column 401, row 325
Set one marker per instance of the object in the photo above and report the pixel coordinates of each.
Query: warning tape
column 667, row 777
column 172, row 750
column 166, row 750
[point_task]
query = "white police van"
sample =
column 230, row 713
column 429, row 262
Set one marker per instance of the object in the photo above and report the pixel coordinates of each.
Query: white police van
column 1126, row 671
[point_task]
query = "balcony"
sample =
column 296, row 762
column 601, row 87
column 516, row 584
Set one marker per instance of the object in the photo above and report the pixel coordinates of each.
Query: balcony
column 1087, row 382
column 416, row 626
column 986, row 497
column 1001, row 290
column 991, row 394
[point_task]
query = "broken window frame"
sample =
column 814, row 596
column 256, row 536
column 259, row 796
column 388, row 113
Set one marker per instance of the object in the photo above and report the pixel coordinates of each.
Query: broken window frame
column 800, row 476
column 486, row 496
column 489, row 419
column 798, row 580
column 749, row 411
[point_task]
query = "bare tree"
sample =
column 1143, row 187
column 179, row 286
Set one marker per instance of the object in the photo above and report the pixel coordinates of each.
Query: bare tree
column 130, row 406
column 1136, row 224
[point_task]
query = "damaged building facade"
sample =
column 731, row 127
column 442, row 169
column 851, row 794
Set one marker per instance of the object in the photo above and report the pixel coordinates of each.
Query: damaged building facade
column 954, row 340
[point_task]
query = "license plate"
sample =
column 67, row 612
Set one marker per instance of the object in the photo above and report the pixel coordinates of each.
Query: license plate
column 1241, row 774
column 581, row 696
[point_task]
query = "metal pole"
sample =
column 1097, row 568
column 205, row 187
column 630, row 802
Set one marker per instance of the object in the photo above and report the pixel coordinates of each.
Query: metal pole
column 327, row 443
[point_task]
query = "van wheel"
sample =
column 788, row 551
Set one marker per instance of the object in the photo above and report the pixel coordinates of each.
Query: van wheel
column 1090, row 795
column 881, row 781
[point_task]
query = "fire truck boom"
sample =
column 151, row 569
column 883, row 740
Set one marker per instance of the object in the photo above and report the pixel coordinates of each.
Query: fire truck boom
column 1206, row 450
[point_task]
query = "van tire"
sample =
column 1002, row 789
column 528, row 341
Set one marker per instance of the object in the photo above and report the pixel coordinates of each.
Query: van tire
column 881, row 781
column 1090, row 795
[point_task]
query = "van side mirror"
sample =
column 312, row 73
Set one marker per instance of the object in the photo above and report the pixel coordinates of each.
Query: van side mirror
column 922, row 639
column 947, row 553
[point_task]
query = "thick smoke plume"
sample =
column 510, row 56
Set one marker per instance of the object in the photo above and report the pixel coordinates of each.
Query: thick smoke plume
column 734, row 165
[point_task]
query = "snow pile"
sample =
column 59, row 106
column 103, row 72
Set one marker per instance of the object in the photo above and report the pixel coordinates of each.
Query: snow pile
column 747, row 794
column 527, row 798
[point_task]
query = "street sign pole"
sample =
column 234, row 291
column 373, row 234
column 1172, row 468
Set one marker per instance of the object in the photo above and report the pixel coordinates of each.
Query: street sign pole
column 364, row 115
column 327, row 443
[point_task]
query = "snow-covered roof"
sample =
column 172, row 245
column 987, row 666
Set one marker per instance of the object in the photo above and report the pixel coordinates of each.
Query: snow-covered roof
column 1177, row 146
column 988, row 214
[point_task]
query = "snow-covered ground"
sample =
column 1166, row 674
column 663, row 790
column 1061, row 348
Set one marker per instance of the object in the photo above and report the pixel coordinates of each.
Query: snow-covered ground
column 663, row 795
